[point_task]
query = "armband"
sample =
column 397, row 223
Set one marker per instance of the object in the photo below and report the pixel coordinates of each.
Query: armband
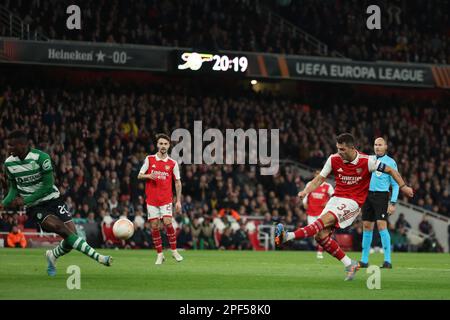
column 381, row 167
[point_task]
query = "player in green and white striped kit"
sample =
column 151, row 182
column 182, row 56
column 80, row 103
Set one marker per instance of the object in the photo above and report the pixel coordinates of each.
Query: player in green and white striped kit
column 31, row 183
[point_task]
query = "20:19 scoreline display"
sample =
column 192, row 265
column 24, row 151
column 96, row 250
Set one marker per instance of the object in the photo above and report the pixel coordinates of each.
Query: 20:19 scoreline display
column 200, row 62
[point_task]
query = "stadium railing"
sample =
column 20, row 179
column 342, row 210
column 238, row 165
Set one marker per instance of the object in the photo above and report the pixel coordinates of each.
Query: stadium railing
column 17, row 28
column 35, row 239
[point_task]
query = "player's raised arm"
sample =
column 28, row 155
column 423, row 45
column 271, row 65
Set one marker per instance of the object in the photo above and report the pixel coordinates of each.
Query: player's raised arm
column 376, row 165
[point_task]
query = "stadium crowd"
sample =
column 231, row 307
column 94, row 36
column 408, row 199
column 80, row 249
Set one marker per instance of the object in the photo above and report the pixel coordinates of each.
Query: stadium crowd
column 208, row 25
column 98, row 139
column 413, row 31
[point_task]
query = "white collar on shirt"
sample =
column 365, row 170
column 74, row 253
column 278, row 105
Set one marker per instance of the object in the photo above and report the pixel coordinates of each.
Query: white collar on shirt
column 159, row 159
column 354, row 161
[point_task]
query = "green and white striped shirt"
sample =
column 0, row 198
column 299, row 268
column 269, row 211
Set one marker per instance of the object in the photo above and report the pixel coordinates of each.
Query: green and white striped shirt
column 28, row 175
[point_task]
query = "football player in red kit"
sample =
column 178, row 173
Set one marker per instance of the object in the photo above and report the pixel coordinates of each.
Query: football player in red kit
column 352, row 171
column 159, row 170
column 315, row 202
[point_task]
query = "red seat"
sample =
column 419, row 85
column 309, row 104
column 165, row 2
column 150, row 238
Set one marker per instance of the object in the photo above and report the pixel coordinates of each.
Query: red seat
column 345, row 241
column 253, row 236
column 22, row 219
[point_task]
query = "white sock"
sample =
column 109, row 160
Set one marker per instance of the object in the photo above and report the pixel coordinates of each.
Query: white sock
column 289, row 236
column 346, row 261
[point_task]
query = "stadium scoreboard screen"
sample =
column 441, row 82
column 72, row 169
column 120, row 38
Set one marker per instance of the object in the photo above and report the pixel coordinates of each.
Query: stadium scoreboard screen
column 203, row 62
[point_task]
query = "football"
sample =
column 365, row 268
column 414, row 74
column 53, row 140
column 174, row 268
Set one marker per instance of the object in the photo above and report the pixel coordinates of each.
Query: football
column 123, row 229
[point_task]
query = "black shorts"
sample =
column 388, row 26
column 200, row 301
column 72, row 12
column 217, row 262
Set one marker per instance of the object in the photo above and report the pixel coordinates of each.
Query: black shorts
column 56, row 207
column 375, row 207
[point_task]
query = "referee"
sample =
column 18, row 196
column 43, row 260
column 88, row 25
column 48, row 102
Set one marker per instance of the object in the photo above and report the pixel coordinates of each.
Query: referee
column 378, row 207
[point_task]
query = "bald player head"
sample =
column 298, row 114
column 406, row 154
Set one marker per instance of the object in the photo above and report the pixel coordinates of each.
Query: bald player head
column 380, row 146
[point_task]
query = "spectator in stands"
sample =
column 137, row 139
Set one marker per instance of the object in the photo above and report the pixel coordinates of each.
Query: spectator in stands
column 226, row 240
column 184, row 239
column 141, row 238
column 399, row 239
column 16, row 239
column 431, row 244
column 267, row 219
column 92, row 230
column 240, row 238
column 207, row 234
column 7, row 222
column 196, row 229
column 425, row 226
column 229, row 211
column 401, row 222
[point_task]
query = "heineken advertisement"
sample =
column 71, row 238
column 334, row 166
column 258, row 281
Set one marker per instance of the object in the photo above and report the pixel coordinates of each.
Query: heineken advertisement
column 84, row 54
column 250, row 65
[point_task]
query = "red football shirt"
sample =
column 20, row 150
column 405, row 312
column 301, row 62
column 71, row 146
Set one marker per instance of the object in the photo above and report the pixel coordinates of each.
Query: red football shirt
column 352, row 178
column 318, row 198
column 159, row 191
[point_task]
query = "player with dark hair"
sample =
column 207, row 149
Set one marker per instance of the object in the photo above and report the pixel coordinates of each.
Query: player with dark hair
column 31, row 183
column 159, row 170
column 352, row 171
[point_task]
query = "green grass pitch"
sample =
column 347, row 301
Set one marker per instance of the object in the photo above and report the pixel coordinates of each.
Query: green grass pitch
column 224, row 275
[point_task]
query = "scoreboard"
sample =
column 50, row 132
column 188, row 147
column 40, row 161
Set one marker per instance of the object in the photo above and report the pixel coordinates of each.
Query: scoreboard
column 196, row 62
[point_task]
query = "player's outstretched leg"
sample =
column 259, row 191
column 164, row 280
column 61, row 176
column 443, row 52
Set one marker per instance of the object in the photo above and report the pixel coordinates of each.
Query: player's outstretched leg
column 81, row 245
column 171, row 234
column 61, row 249
column 157, row 242
column 333, row 248
column 282, row 236
column 71, row 240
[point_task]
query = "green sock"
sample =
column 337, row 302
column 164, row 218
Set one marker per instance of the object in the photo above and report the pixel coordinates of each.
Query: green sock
column 81, row 245
column 61, row 249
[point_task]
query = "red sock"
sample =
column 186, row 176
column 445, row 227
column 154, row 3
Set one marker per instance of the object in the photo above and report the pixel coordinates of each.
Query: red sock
column 156, row 235
column 310, row 230
column 172, row 236
column 319, row 248
column 332, row 247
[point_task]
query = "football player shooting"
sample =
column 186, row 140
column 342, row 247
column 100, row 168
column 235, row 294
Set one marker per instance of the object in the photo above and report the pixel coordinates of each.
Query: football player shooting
column 159, row 170
column 352, row 171
column 31, row 183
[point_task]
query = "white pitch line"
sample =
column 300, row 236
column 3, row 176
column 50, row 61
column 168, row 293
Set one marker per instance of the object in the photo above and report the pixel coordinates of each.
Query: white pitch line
column 430, row 269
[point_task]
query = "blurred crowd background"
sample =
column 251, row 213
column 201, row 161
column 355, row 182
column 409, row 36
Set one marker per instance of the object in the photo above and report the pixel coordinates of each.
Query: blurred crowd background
column 412, row 31
column 98, row 138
